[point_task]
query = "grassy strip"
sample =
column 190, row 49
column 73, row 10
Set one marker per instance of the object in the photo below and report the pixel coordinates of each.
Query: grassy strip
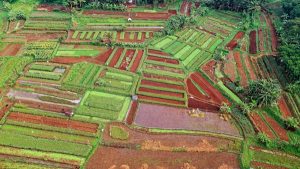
column 27, row 131
column 229, row 93
column 280, row 160
column 48, row 68
column 21, row 141
column 43, row 75
column 41, row 155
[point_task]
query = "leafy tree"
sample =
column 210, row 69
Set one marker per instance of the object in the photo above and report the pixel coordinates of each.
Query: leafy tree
column 294, row 87
column 176, row 23
column 263, row 92
column 291, row 8
column 291, row 123
column 263, row 139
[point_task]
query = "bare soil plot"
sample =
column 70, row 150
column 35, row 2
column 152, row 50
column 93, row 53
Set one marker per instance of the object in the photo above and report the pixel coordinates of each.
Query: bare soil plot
column 11, row 50
column 164, row 117
column 168, row 142
column 108, row 157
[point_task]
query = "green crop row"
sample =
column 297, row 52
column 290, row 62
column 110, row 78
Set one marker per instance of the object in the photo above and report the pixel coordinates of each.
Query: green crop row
column 103, row 105
column 28, row 142
column 51, row 135
column 10, row 68
column 43, row 75
column 40, row 67
column 41, row 155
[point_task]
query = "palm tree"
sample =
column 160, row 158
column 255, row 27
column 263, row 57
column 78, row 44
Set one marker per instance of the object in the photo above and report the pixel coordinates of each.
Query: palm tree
column 264, row 92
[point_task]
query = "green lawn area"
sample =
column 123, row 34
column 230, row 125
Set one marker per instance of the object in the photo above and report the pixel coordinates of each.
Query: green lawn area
column 118, row 133
column 104, row 105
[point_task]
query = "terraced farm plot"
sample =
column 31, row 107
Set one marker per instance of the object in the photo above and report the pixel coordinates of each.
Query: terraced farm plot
column 7, row 49
column 221, row 23
column 132, row 36
column 40, row 51
column 238, row 68
column 181, row 119
column 190, row 55
column 43, row 72
column 103, row 105
column 116, row 81
column 92, row 35
column 162, row 80
column 53, row 21
column 200, row 39
column 125, row 59
column 81, row 76
column 113, row 85
column 202, row 94
column 10, row 67
column 78, row 51
column 49, row 140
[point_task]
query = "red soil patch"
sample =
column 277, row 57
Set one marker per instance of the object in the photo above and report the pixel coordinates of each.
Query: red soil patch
column 185, row 8
column 164, row 85
column 165, row 142
column 161, row 92
column 11, row 50
column 46, row 106
column 193, row 90
column 152, row 16
column 256, row 164
column 135, row 37
column 127, row 37
column 261, row 125
column 209, row 69
column 203, row 104
column 281, row 132
column 165, row 60
column 4, row 108
column 33, row 37
column 133, row 15
column 128, row 56
column 70, row 60
column 207, row 31
column 102, row 58
column 230, row 67
column 164, row 68
column 233, row 43
column 256, row 68
column 175, row 118
column 249, row 67
column 108, row 157
column 157, row 52
column 167, row 101
column 261, row 40
column 273, row 32
column 50, row 8
column 253, row 45
column 154, row 76
column 131, row 113
column 137, row 61
column 116, row 57
column 240, row 69
column 208, row 88
column 284, row 108
column 56, row 122
column 52, row 92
